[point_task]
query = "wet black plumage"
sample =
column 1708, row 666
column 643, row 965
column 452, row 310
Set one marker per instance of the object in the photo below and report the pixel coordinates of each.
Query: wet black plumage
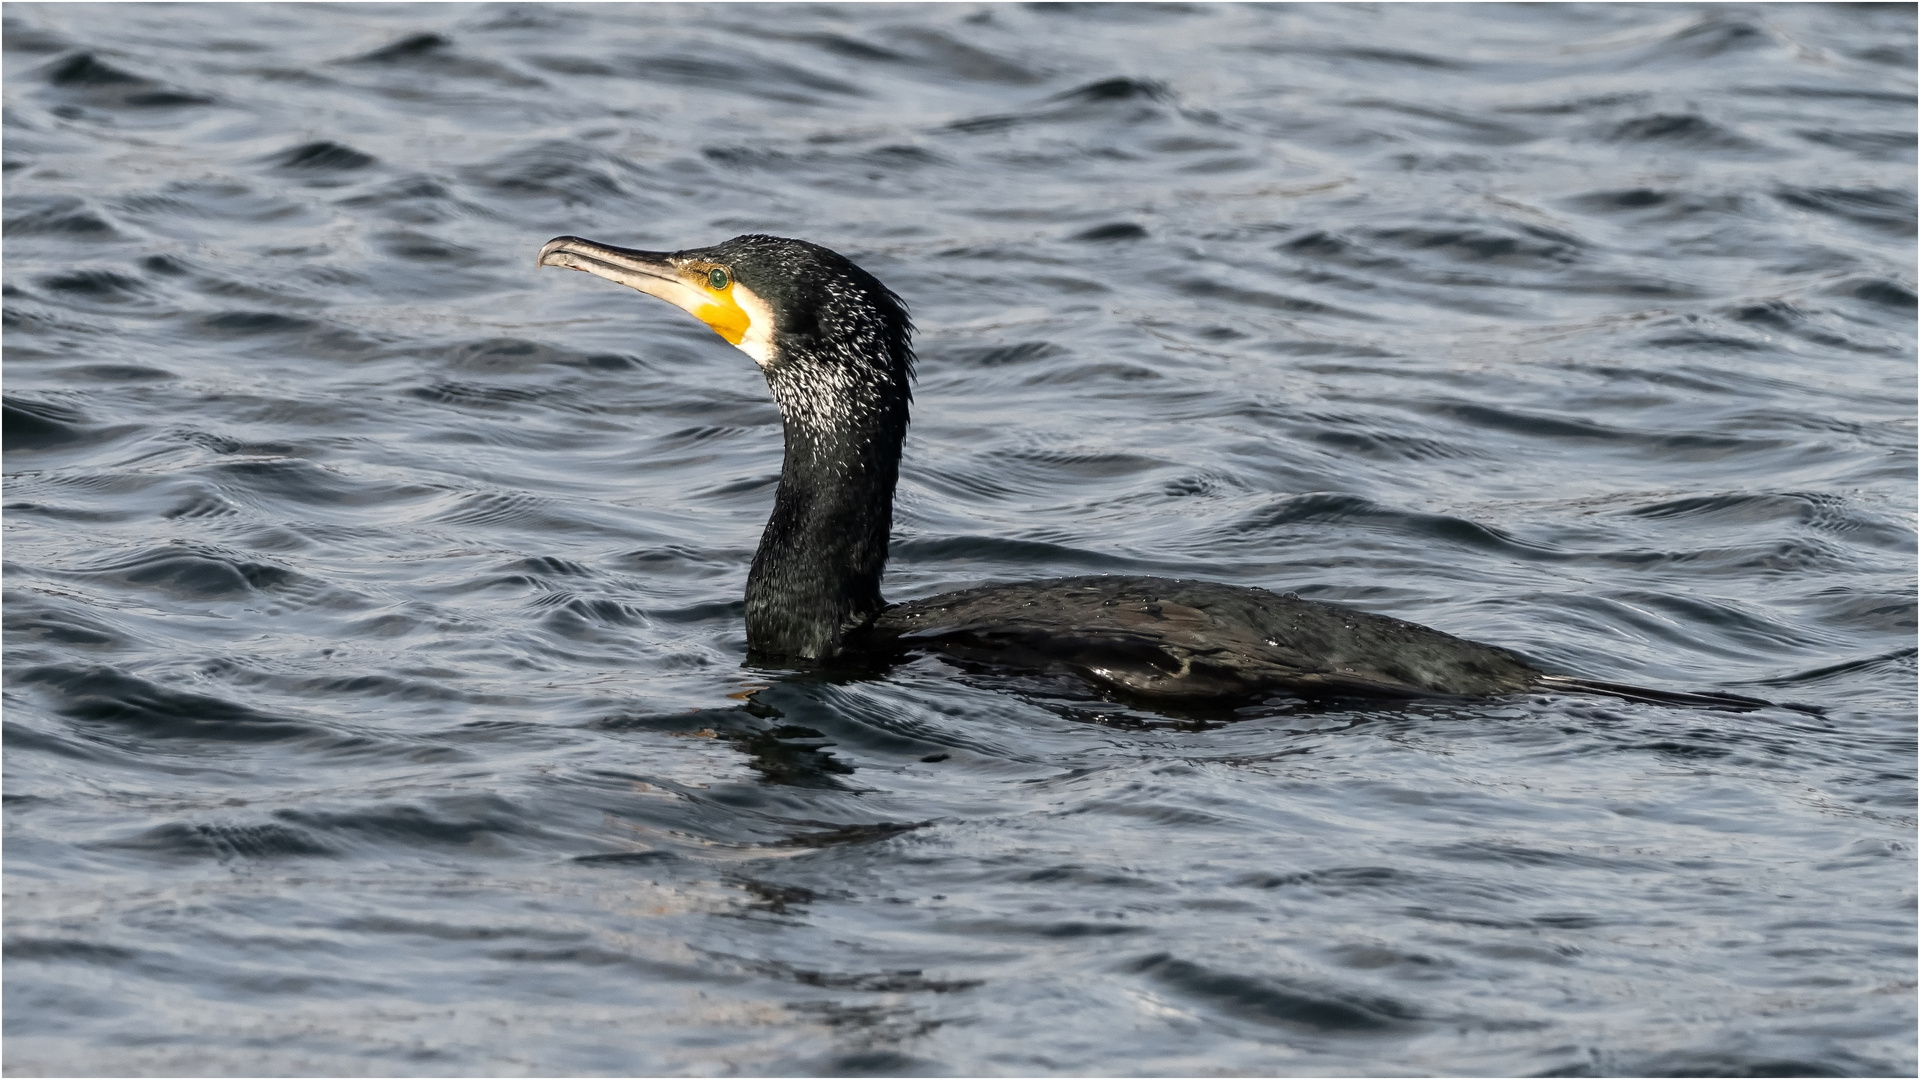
column 840, row 368
column 842, row 380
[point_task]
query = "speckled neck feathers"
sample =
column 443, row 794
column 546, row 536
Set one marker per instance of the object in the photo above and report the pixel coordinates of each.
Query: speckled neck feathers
column 840, row 374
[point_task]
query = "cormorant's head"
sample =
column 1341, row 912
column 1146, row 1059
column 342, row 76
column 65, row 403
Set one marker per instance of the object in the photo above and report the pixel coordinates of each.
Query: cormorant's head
column 778, row 300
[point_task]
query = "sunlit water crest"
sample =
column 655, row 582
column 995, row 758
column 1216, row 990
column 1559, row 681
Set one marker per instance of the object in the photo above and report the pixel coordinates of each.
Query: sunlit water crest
column 375, row 696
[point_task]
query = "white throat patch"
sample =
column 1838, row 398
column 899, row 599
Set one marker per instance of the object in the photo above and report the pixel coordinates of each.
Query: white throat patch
column 757, row 342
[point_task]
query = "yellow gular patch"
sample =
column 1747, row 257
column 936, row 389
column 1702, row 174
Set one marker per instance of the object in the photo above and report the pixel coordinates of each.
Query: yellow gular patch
column 724, row 314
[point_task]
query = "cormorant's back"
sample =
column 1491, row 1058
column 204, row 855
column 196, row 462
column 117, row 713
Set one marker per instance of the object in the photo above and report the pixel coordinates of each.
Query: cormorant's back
column 1170, row 638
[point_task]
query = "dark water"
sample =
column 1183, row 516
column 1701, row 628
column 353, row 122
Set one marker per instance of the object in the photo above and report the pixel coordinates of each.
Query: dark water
column 375, row 700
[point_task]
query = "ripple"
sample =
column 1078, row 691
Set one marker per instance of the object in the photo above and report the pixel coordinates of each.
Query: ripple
column 1681, row 129
column 322, row 156
column 59, row 216
column 467, row 821
column 267, row 840
column 1891, row 211
column 88, row 78
column 110, row 698
column 373, row 625
column 1277, row 1002
column 44, row 425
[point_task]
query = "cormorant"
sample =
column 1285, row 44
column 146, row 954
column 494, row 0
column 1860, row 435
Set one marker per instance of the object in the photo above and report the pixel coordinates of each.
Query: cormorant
column 836, row 347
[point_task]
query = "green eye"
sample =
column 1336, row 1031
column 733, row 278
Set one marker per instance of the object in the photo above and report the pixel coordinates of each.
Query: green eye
column 717, row 278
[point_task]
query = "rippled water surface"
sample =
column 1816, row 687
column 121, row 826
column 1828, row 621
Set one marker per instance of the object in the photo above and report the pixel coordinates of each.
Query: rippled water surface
column 375, row 692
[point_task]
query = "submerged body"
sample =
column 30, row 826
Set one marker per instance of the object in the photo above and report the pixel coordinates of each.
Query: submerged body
column 835, row 346
column 1166, row 638
column 1177, row 641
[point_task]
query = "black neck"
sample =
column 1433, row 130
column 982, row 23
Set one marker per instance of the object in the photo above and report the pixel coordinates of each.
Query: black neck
column 816, row 576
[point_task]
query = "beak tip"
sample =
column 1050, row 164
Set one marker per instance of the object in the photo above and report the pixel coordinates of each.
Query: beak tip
column 648, row 271
column 551, row 247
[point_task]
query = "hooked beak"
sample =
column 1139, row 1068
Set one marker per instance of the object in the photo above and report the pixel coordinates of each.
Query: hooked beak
column 730, row 310
column 651, row 272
